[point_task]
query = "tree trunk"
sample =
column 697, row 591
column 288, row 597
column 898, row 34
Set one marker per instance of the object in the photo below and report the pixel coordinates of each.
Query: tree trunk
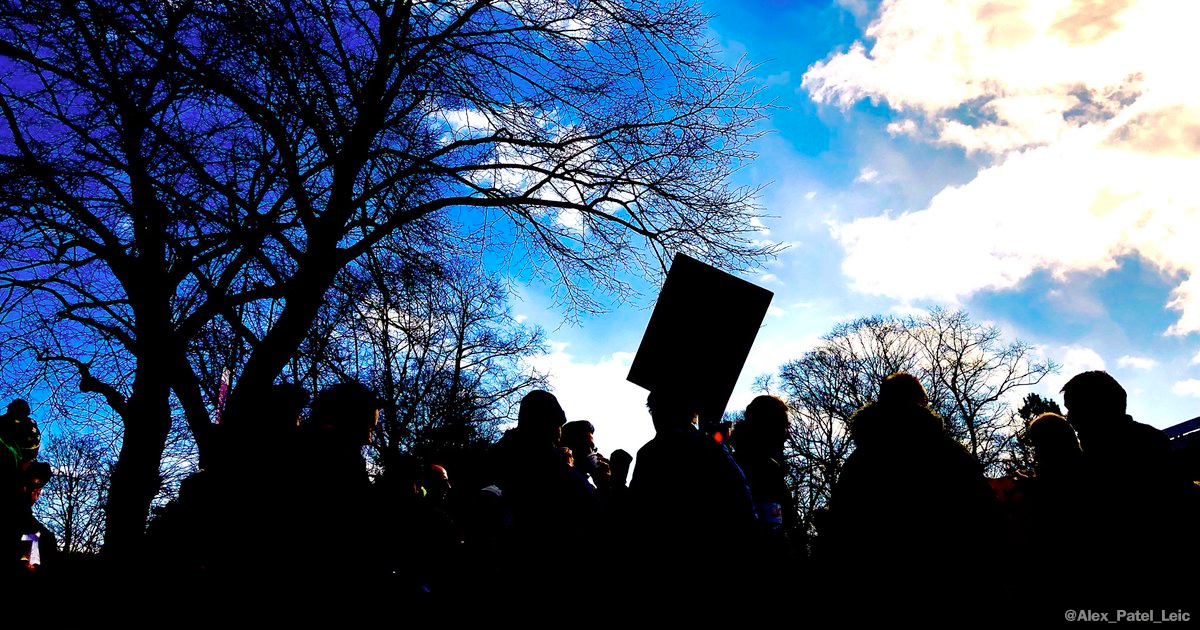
column 146, row 415
column 135, row 478
column 304, row 299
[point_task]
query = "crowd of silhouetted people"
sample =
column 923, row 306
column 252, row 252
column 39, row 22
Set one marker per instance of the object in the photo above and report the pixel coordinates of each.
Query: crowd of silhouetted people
column 912, row 518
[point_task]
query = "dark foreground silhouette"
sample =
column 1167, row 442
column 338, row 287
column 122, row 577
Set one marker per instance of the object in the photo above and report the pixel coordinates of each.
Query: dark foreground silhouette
column 1103, row 519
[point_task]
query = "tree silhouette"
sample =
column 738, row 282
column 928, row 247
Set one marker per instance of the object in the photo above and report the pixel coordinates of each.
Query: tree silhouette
column 1034, row 405
column 968, row 372
column 436, row 340
column 72, row 503
column 167, row 168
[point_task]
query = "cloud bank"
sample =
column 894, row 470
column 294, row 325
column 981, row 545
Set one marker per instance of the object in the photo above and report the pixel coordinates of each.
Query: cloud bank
column 1087, row 114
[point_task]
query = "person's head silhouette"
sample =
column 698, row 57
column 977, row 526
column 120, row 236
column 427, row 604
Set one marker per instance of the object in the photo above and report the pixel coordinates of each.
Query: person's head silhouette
column 765, row 427
column 1054, row 442
column 1094, row 400
column 671, row 409
column 348, row 409
column 540, row 415
column 902, row 388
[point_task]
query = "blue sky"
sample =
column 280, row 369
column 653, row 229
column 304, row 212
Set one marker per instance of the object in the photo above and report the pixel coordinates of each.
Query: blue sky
column 1031, row 162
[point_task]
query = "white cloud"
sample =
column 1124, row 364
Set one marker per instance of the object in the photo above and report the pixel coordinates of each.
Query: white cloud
column 570, row 218
column 1190, row 387
column 599, row 392
column 810, row 195
column 775, row 311
column 774, row 347
column 1076, row 359
column 867, row 174
column 1138, row 363
column 1196, row 359
column 520, row 319
column 907, row 310
column 1011, row 60
column 768, row 278
column 1092, row 124
column 520, row 169
column 905, row 127
column 1072, row 360
column 757, row 224
column 467, row 123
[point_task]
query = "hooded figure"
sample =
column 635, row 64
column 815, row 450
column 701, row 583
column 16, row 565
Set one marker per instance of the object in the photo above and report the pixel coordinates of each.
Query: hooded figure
column 909, row 498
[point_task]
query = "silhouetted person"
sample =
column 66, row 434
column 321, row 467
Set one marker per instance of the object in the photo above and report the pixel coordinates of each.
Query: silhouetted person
column 552, row 506
column 1109, row 437
column 435, row 482
column 38, row 546
column 910, row 498
column 333, row 511
column 20, row 432
column 619, row 464
column 276, row 417
column 692, row 508
column 1056, row 448
column 1047, row 509
column 233, row 530
column 1139, row 519
column 11, row 500
column 19, row 444
column 263, row 427
column 758, row 442
column 579, row 436
column 419, row 541
column 618, row 503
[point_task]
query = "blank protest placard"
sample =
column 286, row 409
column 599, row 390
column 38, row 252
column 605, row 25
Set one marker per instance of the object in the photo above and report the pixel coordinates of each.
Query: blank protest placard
column 700, row 333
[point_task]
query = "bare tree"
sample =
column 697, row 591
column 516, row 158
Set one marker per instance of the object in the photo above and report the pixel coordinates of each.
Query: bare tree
column 436, row 339
column 824, row 388
column 971, row 373
column 82, row 454
column 72, row 503
column 966, row 368
column 167, row 167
